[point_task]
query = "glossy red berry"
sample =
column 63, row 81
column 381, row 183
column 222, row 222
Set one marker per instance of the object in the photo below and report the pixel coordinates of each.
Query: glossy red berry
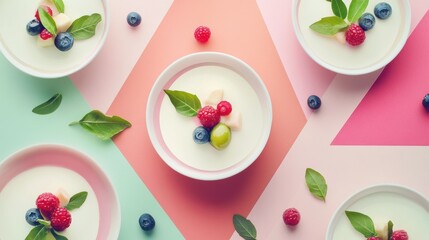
column 47, row 203
column 291, row 216
column 47, row 9
column 60, row 219
column 45, row 34
column 224, row 108
column 399, row 235
column 374, row 238
column 202, row 34
column 355, row 35
column 208, row 116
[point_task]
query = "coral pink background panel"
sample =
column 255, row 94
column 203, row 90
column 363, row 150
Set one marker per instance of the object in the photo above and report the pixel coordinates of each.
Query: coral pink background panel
column 199, row 208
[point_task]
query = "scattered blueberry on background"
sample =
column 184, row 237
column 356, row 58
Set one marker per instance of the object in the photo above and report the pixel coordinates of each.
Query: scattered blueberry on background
column 382, row 10
column 314, row 102
column 147, row 222
column 134, row 19
column 425, row 102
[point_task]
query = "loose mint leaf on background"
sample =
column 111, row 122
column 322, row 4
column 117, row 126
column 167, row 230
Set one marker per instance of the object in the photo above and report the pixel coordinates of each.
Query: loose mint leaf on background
column 84, row 27
column 339, row 8
column 76, row 200
column 356, row 9
column 102, row 126
column 49, row 106
column 329, row 25
column 57, row 236
column 316, row 183
column 47, row 21
column 185, row 103
column 389, row 229
column 362, row 223
column 59, row 4
column 244, row 227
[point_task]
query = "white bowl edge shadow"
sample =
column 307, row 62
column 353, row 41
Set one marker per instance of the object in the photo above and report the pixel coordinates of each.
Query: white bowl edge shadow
column 116, row 211
column 189, row 61
column 397, row 49
column 393, row 188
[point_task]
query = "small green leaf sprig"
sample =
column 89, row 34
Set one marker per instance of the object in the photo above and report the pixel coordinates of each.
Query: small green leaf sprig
column 44, row 231
column 316, row 184
column 244, row 227
column 81, row 28
column 364, row 224
column 333, row 24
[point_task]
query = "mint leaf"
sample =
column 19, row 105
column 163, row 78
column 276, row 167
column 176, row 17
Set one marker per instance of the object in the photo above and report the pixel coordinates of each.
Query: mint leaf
column 185, row 103
column 356, row 9
column 389, row 229
column 49, row 106
column 329, row 25
column 362, row 223
column 244, row 227
column 339, row 8
column 316, row 183
column 84, row 27
column 102, row 126
column 47, row 21
column 57, row 236
column 44, row 222
column 59, row 4
column 76, row 200
column 33, row 233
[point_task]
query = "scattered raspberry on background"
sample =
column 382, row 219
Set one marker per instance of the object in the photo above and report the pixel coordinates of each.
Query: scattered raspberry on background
column 202, row 34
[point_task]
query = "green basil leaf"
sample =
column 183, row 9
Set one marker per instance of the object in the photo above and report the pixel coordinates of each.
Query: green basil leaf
column 102, row 126
column 84, row 27
column 316, row 184
column 356, row 9
column 47, row 21
column 76, row 200
column 59, row 4
column 329, row 25
column 33, row 233
column 49, row 106
column 339, row 8
column 57, row 236
column 389, row 229
column 244, row 227
column 185, row 103
column 362, row 223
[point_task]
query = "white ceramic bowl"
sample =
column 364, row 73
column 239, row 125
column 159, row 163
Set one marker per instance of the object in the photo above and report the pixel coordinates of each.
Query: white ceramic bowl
column 383, row 42
column 23, row 52
column 406, row 208
column 31, row 172
column 203, row 63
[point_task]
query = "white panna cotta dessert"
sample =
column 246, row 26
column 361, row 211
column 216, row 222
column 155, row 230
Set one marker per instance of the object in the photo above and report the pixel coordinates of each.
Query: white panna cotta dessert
column 177, row 130
column 334, row 53
column 21, row 192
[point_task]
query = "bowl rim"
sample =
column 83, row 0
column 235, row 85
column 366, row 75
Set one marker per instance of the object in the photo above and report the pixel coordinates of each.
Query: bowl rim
column 40, row 74
column 380, row 64
column 114, row 229
column 387, row 187
column 189, row 171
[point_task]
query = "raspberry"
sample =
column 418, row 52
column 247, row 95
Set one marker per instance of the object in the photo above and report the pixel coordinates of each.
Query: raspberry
column 374, row 238
column 399, row 235
column 61, row 219
column 47, row 9
column 355, row 35
column 208, row 116
column 224, row 108
column 47, row 203
column 45, row 34
column 202, row 34
column 291, row 216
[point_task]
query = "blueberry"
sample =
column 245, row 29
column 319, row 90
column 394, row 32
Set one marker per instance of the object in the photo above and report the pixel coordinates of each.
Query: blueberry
column 64, row 41
column 314, row 102
column 32, row 215
column 367, row 21
column 146, row 222
column 382, row 10
column 34, row 27
column 134, row 19
column 201, row 135
column 425, row 102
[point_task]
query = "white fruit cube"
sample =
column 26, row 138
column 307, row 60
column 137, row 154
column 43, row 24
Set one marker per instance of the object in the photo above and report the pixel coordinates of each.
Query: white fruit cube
column 341, row 37
column 63, row 196
column 215, row 97
column 63, row 22
column 233, row 120
column 45, row 43
column 382, row 230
